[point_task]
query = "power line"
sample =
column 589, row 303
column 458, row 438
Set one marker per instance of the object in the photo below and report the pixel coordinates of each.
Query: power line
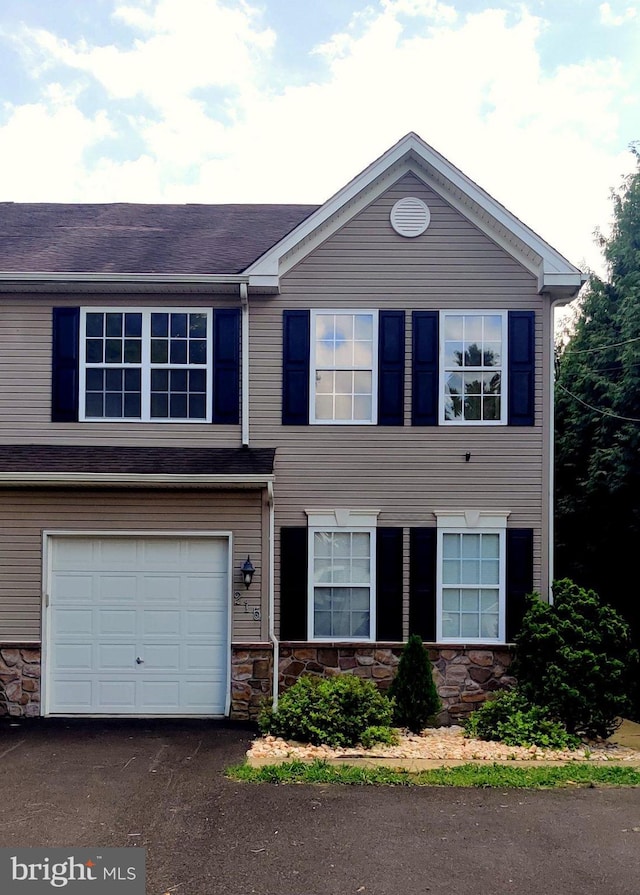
column 603, row 347
column 616, row 416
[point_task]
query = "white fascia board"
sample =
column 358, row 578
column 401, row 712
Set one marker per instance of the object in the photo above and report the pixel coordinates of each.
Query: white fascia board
column 138, row 480
column 18, row 276
column 411, row 154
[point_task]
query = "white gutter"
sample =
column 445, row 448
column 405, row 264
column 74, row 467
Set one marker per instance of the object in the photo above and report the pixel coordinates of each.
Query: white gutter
column 272, row 596
column 18, row 276
column 244, row 349
column 87, row 479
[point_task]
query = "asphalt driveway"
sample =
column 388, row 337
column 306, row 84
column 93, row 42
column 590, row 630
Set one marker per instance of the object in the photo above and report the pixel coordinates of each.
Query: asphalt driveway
column 160, row 785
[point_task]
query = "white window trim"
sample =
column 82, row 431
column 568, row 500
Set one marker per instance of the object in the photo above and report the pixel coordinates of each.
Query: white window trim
column 145, row 365
column 370, row 529
column 470, row 522
column 503, row 370
column 318, row 312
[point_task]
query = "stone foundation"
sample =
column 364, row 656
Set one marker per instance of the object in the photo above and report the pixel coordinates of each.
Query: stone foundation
column 20, row 681
column 251, row 679
column 464, row 677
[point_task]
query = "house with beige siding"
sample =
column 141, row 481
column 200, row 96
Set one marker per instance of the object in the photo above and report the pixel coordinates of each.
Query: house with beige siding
column 243, row 442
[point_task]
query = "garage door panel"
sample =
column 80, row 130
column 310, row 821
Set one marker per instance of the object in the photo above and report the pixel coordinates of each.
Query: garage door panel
column 73, row 695
column 117, row 657
column 116, row 621
column 74, row 622
column 197, row 693
column 162, row 657
column 74, row 657
column 164, row 600
column 161, row 621
column 75, row 588
column 160, row 588
column 117, row 554
column 204, row 658
column 116, row 695
column 113, row 588
column 160, row 694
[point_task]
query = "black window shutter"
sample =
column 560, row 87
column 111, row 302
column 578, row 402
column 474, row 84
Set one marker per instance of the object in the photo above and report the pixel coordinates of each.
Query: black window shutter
column 293, row 583
column 295, row 368
column 65, row 368
column 521, row 383
column 424, row 399
column 422, row 582
column 226, row 366
column 519, row 577
column 389, row 584
column 391, row 368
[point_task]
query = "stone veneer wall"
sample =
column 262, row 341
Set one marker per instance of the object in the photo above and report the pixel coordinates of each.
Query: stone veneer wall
column 464, row 677
column 251, row 679
column 20, row 681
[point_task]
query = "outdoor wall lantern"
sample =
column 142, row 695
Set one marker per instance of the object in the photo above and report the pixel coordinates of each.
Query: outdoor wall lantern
column 247, row 572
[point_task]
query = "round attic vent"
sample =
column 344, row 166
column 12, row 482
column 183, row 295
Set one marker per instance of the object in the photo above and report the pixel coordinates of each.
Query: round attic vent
column 410, row 216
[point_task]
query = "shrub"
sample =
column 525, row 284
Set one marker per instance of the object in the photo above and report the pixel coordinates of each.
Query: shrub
column 510, row 719
column 373, row 735
column 336, row 711
column 574, row 658
column 413, row 689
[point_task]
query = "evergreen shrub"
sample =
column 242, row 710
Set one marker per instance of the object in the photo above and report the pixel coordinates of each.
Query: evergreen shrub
column 336, row 711
column 574, row 659
column 510, row 719
column 413, row 689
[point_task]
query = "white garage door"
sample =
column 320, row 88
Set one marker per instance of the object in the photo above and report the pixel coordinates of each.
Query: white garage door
column 138, row 626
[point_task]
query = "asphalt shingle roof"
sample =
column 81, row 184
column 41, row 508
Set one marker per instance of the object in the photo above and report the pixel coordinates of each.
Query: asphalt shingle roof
column 128, row 238
column 136, row 460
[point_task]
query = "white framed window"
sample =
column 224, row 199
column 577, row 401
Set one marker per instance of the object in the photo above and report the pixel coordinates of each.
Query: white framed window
column 342, row 574
column 151, row 365
column 473, row 367
column 471, row 578
column 344, row 367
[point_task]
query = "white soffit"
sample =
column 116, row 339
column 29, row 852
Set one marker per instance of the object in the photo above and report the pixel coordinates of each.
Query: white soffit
column 412, row 155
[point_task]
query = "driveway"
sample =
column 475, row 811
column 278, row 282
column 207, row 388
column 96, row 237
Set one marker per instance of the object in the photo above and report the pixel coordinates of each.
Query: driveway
column 160, row 785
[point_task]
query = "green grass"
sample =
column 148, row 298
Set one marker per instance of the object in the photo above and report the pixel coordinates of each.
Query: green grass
column 494, row 775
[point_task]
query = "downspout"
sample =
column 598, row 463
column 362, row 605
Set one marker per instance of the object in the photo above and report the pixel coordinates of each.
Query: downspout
column 244, row 299
column 552, row 429
column 272, row 596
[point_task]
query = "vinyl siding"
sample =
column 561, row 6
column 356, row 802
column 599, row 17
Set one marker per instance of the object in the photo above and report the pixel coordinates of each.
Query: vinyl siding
column 406, row 472
column 24, row 515
column 25, row 379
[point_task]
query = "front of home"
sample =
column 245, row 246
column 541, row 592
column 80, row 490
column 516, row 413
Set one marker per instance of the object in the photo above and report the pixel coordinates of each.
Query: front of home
column 353, row 400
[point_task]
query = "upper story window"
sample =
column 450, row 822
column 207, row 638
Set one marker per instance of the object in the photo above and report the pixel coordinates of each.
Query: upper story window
column 145, row 365
column 473, row 367
column 344, row 360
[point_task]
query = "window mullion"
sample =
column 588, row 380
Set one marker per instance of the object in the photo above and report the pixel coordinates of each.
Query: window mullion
column 146, row 367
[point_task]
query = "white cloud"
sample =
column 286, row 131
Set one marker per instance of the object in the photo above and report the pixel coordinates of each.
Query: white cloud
column 541, row 141
column 43, row 145
column 608, row 17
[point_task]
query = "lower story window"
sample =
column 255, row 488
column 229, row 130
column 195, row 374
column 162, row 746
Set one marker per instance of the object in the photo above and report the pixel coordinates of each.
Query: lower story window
column 341, row 584
column 471, row 586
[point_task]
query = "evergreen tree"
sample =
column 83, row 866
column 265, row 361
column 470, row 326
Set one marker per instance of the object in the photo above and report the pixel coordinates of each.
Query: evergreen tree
column 598, row 423
column 413, row 688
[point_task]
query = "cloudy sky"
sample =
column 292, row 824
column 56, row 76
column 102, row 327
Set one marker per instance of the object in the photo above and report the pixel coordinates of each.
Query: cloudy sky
column 286, row 100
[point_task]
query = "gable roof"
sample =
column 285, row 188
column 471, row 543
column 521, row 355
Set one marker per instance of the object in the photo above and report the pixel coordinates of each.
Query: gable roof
column 140, row 239
column 411, row 154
